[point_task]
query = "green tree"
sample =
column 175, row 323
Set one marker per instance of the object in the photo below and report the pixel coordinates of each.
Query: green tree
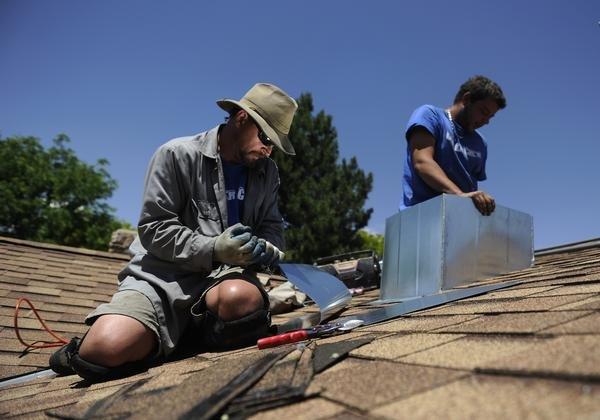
column 372, row 241
column 321, row 199
column 49, row 195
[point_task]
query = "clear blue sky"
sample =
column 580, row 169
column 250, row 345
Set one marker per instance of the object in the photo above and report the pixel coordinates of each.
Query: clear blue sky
column 122, row 77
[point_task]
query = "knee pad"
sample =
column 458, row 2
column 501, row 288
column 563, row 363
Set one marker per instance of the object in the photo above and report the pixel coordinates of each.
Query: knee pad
column 219, row 335
column 96, row 373
column 90, row 371
column 67, row 361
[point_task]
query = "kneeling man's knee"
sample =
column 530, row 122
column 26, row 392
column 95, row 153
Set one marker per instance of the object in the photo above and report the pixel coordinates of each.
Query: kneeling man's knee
column 234, row 299
column 237, row 314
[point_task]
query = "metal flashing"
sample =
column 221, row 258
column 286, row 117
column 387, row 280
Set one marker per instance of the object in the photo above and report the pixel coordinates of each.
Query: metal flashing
column 392, row 311
column 328, row 292
column 445, row 242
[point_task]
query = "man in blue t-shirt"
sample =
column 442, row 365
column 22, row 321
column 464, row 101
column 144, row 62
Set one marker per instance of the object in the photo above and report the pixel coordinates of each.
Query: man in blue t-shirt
column 445, row 153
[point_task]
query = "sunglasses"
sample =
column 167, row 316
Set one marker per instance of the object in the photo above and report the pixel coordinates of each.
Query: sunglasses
column 265, row 139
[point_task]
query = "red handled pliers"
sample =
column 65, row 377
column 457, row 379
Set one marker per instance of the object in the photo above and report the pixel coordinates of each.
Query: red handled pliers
column 307, row 333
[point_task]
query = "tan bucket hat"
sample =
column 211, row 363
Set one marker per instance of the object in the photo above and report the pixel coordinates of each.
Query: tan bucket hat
column 271, row 108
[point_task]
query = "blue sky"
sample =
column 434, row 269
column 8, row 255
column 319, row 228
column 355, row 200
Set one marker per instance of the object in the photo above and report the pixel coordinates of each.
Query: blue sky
column 122, row 77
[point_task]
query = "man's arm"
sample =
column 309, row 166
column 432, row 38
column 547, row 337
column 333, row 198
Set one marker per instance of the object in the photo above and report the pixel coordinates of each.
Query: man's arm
column 160, row 229
column 422, row 149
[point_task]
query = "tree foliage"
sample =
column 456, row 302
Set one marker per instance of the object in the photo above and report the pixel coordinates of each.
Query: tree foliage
column 372, row 241
column 49, row 195
column 321, row 199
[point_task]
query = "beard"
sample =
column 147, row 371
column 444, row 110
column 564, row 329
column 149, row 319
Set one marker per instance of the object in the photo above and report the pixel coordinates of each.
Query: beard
column 465, row 120
column 252, row 159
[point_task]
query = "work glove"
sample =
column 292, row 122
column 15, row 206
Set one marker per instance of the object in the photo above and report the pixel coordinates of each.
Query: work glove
column 269, row 255
column 236, row 246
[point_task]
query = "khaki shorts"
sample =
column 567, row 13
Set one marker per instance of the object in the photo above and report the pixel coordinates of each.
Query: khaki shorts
column 136, row 305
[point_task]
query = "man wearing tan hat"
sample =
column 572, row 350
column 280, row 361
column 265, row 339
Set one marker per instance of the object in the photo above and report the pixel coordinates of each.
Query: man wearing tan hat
column 209, row 219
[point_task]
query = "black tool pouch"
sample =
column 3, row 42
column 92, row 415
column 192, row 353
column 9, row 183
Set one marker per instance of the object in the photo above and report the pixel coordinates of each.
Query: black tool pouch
column 354, row 269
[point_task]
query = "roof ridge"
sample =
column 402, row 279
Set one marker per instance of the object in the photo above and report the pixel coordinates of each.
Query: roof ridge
column 70, row 249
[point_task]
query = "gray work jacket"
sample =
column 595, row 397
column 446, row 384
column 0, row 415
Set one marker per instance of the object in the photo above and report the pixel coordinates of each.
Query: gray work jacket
column 184, row 208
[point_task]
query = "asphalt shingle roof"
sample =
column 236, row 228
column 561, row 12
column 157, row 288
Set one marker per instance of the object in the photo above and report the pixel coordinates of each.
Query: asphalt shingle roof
column 525, row 351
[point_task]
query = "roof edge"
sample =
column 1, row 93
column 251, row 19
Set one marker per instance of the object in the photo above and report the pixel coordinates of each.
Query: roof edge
column 574, row 246
column 65, row 248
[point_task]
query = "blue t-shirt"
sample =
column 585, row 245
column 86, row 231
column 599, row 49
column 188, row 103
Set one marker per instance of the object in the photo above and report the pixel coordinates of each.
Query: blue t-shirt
column 460, row 154
column 235, row 190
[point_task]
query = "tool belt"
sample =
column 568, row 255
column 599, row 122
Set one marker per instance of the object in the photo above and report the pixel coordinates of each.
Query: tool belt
column 354, row 269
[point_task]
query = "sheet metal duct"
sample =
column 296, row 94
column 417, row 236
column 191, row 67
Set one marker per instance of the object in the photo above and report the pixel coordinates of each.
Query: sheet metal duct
column 328, row 292
column 445, row 242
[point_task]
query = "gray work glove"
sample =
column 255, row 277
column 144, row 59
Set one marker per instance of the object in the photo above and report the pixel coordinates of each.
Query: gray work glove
column 236, row 246
column 269, row 253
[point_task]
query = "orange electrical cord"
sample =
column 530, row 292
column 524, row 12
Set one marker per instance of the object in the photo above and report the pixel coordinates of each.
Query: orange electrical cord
column 60, row 340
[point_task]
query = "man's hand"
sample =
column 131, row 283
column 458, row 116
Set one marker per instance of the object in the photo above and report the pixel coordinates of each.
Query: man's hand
column 236, row 246
column 269, row 254
column 484, row 202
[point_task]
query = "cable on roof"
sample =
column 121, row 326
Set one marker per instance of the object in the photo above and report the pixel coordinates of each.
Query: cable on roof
column 60, row 340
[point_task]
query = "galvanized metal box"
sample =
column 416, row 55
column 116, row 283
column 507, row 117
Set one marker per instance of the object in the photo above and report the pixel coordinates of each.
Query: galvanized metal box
column 445, row 242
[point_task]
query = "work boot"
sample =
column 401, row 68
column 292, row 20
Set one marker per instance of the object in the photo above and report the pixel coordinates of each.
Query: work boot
column 60, row 361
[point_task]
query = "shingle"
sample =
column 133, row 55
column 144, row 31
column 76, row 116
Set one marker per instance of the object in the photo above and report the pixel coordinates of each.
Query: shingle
column 514, row 323
column 327, row 355
column 9, row 370
column 367, row 384
column 34, row 324
column 419, row 323
column 10, row 282
column 37, row 299
column 576, row 355
column 493, row 397
column 11, row 344
column 97, row 297
column 589, row 324
column 4, row 311
column 510, row 292
column 314, row 408
column 593, row 303
column 76, row 310
column 403, row 345
column 21, row 392
column 531, row 304
column 566, row 280
column 30, row 335
column 572, row 290
column 346, row 336
column 171, row 374
column 471, row 352
column 172, row 402
column 43, row 401
column 279, row 375
column 102, row 396
column 37, row 290
column 350, row 415
column 30, row 359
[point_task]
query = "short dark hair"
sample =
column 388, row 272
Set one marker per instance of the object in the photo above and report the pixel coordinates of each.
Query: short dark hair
column 480, row 87
column 234, row 110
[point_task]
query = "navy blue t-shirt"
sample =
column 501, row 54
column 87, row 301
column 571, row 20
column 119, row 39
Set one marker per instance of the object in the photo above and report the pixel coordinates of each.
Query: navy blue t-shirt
column 235, row 190
column 461, row 155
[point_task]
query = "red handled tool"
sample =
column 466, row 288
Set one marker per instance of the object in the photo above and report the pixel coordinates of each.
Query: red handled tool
column 307, row 333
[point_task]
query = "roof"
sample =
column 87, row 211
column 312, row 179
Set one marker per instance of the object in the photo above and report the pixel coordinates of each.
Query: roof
column 527, row 350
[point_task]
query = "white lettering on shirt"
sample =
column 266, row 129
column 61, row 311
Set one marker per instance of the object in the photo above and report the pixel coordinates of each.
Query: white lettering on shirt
column 466, row 151
column 231, row 194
